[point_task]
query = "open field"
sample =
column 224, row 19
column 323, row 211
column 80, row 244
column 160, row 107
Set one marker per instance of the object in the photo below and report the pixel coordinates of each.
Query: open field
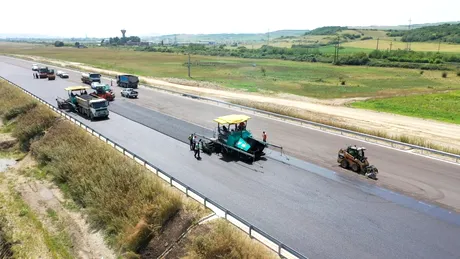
column 415, row 46
column 441, row 106
column 317, row 80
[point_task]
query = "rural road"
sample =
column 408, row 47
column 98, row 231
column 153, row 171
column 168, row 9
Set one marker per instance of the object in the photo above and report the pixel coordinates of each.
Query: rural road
column 321, row 217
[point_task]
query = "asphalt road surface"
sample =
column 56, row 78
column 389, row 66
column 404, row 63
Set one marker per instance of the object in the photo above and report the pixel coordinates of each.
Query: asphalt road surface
column 316, row 215
column 422, row 178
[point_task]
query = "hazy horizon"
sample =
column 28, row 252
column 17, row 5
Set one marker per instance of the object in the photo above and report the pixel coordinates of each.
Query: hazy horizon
column 99, row 19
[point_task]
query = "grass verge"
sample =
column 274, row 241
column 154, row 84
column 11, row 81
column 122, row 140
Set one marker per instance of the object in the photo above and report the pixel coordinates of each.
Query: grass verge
column 442, row 106
column 300, row 114
column 26, row 235
column 215, row 244
column 123, row 199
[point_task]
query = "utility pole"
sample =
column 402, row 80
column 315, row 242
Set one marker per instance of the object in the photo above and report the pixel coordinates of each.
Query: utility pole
column 408, row 42
column 391, row 45
column 189, row 65
column 378, row 43
column 439, row 46
column 268, row 40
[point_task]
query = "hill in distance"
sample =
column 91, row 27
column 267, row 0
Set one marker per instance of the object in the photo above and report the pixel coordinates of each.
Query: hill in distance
column 227, row 37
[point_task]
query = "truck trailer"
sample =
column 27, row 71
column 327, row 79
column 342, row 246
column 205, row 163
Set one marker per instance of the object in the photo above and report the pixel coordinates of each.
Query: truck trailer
column 127, row 81
column 80, row 101
column 89, row 78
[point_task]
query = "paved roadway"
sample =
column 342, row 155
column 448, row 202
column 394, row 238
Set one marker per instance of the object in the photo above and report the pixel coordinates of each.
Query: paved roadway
column 316, row 215
column 423, row 178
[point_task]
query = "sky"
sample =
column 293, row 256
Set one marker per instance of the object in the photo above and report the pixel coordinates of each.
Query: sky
column 106, row 18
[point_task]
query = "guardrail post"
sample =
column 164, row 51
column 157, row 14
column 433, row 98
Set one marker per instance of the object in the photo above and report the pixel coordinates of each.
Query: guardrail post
column 279, row 248
column 170, row 180
column 186, row 191
column 205, row 201
column 250, row 231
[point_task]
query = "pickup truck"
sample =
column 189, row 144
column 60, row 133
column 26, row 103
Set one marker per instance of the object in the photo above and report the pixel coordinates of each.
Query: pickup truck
column 129, row 93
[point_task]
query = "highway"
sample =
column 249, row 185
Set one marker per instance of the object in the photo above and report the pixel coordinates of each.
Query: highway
column 321, row 217
column 419, row 177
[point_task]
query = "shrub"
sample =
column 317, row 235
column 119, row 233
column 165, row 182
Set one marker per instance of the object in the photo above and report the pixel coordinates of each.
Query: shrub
column 458, row 73
column 421, row 72
column 444, row 74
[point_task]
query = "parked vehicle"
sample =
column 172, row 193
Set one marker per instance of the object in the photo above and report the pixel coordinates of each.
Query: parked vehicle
column 42, row 72
column 89, row 78
column 62, row 74
column 34, row 67
column 83, row 103
column 129, row 93
column 127, row 81
column 101, row 91
column 51, row 75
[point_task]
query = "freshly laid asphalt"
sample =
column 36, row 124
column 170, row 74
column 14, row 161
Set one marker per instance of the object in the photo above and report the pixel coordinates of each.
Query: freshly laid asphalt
column 315, row 215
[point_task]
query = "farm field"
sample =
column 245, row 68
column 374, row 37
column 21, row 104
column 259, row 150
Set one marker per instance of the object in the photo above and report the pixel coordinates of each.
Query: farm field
column 384, row 44
column 316, row 80
column 441, row 106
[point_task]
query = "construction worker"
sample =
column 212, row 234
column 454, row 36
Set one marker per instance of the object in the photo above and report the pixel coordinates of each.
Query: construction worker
column 197, row 150
column 190, row 138
column 264, row 136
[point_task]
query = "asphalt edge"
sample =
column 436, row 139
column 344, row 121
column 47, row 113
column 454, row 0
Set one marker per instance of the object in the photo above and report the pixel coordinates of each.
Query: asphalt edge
column 415, row 149
column 254, row 232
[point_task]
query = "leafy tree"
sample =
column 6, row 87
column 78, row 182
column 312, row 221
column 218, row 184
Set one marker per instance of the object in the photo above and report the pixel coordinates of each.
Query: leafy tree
column 58, row 43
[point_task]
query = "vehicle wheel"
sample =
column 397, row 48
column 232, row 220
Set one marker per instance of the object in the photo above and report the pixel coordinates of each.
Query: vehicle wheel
column 355, row 168
column 91, row 117
column 344, row 164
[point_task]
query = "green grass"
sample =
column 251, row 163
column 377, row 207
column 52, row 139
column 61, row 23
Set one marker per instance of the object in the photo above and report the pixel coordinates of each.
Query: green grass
column 300, row 78
column 441, row 106
column 25, row 231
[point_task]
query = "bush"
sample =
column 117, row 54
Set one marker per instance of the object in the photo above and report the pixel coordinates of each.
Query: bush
column 421, row 72
column 444, row 74
column 458, row 73
column 216, row 244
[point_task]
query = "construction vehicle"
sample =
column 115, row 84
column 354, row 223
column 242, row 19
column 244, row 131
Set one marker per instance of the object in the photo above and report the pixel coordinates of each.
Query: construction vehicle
column 42, row 72
column 127, row 81
column 103, row 91
column 353, row 157
column 233, row 139
column 80, row 101
column 89, row 78
column 51, row 75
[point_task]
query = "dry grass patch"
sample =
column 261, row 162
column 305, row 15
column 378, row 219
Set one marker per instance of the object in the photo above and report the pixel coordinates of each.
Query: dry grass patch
column 225, row 241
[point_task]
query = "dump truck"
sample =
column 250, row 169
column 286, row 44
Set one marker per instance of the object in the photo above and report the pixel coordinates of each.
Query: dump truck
column 80, row 101
column 353, row 157
column 127, row 81
column 89, row 78
column 233, row 139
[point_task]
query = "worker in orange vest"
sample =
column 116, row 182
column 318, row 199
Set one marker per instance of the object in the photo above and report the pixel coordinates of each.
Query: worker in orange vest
column 264, row 136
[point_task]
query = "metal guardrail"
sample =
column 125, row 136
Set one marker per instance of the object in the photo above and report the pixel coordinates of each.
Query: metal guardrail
column 254, row 232
column 367, row 137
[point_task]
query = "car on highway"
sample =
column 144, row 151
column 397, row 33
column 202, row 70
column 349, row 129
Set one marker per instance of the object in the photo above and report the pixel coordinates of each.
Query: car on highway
column 62, row 74
column 129, row 93
column 42, row 72
column 34, row 67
